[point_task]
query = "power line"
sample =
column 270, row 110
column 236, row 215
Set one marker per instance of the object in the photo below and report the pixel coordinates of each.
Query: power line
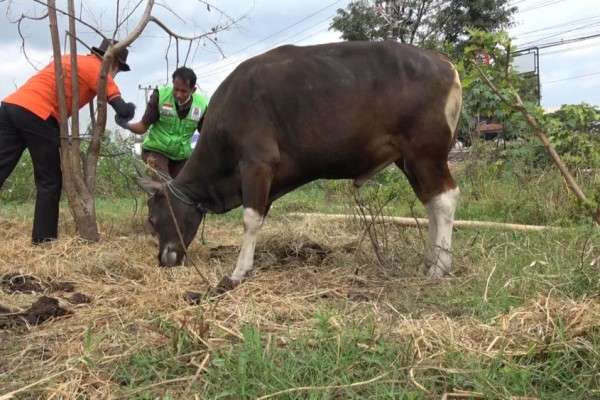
column 278, row 32
column 570, row 49
column 541, row 4
column 568, row 41
column 583, row 21
column 571, row 78
column 563, row 42
column 230, row 63
column 587, row 26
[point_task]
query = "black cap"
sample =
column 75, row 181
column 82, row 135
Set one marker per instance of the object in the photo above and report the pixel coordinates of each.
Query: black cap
column 100, row 50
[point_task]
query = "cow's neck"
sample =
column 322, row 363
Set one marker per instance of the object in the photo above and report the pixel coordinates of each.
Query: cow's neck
column 204, row 182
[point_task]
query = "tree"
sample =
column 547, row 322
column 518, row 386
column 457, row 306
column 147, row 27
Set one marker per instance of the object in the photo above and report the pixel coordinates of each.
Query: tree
column 504, row 84
column 421, row 22
column 360, row 22
column 484, row 15
column 78, row 167
column 402, row 20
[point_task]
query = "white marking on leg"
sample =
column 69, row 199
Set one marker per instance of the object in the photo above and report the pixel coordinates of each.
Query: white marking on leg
column 252, row 223
column 432, row 229
column 440, row 210
column 453, row 103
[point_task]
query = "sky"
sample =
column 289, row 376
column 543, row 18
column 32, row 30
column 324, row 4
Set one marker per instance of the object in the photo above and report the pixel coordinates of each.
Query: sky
column 569, row 73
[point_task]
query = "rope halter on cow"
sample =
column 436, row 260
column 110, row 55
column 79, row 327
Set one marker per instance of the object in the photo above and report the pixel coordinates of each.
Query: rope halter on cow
column 185, row 199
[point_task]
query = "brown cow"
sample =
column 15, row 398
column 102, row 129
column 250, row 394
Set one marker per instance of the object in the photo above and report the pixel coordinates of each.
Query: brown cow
column 332, row 111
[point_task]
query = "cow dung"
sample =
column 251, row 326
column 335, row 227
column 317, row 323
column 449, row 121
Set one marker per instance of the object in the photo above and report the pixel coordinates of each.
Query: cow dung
column 40, row 311
column 14, row 282
column 79, row 298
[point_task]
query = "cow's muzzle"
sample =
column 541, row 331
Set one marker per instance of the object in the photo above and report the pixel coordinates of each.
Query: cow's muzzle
column 170, row 256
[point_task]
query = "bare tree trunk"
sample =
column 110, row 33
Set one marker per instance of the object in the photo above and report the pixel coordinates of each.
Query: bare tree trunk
column 84, row 206
column 69, row 151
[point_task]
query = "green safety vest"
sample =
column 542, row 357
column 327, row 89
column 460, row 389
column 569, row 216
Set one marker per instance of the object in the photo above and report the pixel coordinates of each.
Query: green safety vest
column 171, row 135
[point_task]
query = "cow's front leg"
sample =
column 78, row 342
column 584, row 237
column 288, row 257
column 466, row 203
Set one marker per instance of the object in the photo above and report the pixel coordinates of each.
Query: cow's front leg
column 252, row 222
column 256, row 184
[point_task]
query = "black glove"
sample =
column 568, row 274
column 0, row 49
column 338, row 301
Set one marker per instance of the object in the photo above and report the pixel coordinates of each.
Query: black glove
column 125, row 110
column 122, row 121
column 128, row 111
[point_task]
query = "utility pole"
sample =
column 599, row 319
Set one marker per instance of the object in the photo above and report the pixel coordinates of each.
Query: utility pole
column 146, row 89
column 138, row 139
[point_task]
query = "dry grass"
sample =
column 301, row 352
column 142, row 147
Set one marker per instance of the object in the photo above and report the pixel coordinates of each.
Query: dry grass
column 302, row 268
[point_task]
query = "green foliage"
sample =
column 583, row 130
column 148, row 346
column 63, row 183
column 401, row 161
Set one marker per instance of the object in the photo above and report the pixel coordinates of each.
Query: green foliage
column 360, row 22
column 114, row 175
column 574, row 134
column 157, row 363
column 326, row 356
column 19, row 186
column 478, row 98
column 116, row 170
column 483, row 15
column 428, row 23
column 580, row 117
column 479, row 101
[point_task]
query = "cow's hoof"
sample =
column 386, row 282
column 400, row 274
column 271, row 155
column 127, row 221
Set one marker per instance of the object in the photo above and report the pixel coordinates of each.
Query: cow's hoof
column 225, row 285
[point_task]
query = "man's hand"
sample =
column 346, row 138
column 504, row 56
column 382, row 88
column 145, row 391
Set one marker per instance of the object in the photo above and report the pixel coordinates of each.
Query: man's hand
column 122, row 121
column 128, row 111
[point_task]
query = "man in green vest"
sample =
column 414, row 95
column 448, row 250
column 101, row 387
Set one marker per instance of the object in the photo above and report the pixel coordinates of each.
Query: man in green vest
column 173, row 114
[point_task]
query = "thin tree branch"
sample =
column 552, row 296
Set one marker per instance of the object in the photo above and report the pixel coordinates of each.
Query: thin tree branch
column 129, row 14
column 187, row 54
column 210, row 6
column 169, row 9
column 176, row 53
column 84, row 44
column 117, row 17
column 81, row 21
column 167, row 56
column 19, row 21
column 100, row 126
column 214, row 42
column 177, row 36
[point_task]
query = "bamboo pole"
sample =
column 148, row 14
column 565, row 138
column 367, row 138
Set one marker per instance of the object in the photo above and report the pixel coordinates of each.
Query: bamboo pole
column 416, row 222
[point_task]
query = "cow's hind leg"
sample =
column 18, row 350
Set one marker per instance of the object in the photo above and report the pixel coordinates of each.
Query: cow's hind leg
column 256, row 184
column 435, row 187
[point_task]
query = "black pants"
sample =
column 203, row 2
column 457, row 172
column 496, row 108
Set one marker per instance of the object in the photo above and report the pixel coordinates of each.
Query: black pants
column 20, row 129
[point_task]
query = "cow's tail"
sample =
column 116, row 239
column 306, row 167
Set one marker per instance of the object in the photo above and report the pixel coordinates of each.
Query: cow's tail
column 453, row 107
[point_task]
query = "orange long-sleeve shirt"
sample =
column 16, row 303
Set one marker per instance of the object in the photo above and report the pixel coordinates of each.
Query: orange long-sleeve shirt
column 38, row 94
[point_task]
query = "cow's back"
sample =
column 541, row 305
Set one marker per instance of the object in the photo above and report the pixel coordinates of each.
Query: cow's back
column 333, row 110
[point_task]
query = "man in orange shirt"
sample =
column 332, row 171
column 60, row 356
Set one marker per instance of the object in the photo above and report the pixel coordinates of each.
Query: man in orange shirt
column 29, row 119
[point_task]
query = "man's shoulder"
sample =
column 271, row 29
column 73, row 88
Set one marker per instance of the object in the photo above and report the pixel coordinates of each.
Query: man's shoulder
column 201, row 97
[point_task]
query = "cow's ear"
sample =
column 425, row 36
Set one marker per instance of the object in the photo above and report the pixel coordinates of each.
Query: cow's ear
column 148, row 185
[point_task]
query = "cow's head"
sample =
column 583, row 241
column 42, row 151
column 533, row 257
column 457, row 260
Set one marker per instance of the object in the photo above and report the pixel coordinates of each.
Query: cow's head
column 167, row 209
